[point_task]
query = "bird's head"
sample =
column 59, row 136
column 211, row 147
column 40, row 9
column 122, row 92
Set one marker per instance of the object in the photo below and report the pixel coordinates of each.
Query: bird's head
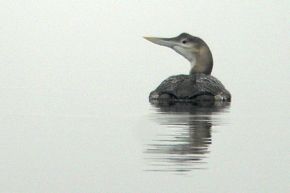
column 192, row 48
column 184, row 44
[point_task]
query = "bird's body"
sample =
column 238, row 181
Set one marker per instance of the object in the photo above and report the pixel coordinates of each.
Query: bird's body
column 199, row 85
column 195, row 87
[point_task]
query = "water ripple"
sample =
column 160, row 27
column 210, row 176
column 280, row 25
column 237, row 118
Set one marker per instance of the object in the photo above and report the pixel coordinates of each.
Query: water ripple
column 184, row 145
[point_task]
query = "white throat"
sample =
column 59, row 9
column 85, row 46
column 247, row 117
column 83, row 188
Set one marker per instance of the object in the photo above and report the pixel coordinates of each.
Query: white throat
column 193, row 62
column 188, row 55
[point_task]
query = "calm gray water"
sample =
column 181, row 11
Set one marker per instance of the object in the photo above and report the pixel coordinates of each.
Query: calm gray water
column 74, row 113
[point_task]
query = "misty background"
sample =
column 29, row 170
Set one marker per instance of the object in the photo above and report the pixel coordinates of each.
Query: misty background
column 74, row 74
column 96, row 46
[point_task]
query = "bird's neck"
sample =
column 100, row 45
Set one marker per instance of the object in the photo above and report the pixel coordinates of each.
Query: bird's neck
column 202, row 62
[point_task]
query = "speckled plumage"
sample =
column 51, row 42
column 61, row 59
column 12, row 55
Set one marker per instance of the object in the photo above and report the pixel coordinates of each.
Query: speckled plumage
column 190, row 88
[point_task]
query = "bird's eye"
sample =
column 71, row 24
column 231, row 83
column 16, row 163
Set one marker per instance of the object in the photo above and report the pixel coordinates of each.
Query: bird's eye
column 184, row 41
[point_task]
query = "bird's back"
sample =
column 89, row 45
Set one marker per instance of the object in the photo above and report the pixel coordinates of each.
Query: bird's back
column 190, row 88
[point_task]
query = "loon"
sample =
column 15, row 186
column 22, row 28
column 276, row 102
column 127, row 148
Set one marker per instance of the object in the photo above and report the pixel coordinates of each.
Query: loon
column 199, row 85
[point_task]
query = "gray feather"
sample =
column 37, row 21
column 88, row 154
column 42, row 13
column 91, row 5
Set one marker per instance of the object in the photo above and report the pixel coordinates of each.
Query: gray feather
column 191, row 88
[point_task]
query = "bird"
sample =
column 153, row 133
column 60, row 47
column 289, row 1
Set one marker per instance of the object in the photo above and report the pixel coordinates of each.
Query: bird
column 197, row 86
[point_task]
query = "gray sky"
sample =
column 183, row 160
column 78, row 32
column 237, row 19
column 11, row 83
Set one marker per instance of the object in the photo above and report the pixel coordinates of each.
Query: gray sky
column 71, row 44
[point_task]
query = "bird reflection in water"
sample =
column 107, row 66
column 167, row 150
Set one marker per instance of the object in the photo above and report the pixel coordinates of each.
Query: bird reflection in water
column 184, row 145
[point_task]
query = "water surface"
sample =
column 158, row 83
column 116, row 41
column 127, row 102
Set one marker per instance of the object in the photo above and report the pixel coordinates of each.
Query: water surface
column 184, row 144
